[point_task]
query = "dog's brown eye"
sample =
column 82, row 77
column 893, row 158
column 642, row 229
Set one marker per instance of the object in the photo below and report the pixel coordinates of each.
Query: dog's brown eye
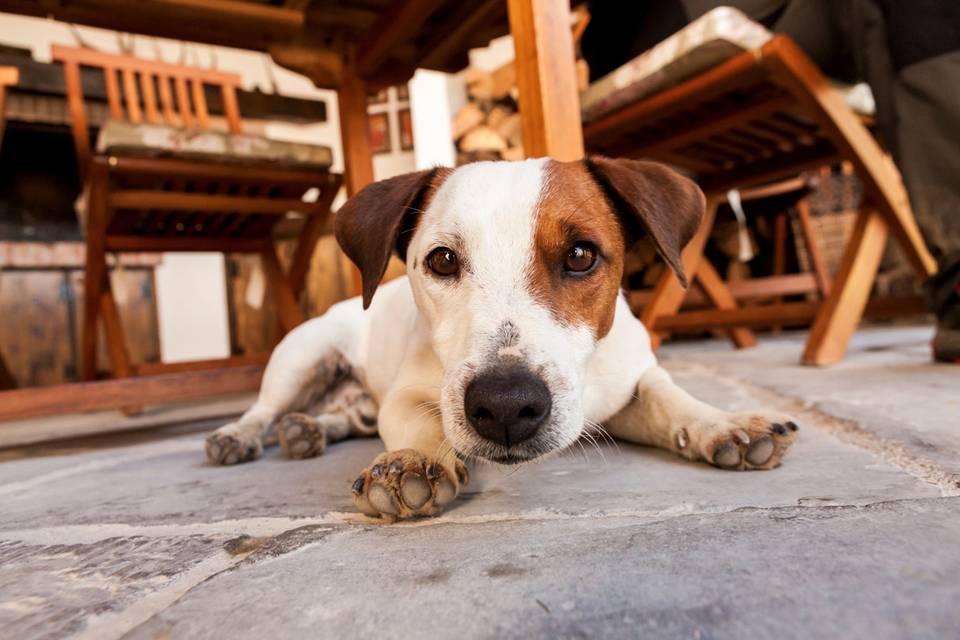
column 581, row 258
column 443, row 262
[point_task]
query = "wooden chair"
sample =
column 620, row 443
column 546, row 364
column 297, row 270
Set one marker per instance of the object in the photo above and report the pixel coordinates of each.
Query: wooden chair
column 9, row 76
column 165, row 202
column 759, row 117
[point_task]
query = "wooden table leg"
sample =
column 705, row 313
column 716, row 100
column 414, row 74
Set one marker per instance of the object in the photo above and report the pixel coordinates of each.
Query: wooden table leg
column 842, row 310
column 546, row 78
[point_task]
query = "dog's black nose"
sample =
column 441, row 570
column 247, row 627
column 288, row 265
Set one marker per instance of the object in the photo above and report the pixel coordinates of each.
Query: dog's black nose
column 507, row 405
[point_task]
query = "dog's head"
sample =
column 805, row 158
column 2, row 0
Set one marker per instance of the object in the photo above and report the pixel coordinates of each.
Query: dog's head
column 516, row 267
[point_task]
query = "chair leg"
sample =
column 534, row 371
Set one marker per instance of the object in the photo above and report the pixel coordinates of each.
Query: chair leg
column 820, row 273
column 715, row 289
column 309, row 236
column 288, row 310
column 779, row 255
column 95, row 270
column 113, row 330
column 668, row 295
column 840, row 313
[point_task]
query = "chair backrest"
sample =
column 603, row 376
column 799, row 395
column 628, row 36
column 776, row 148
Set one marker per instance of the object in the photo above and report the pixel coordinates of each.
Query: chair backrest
column 153, row 92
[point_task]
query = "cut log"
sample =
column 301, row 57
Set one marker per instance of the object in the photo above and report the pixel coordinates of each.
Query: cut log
column 469, row 117
column 498, row 116
column 513, row 153
column 482, row 138
column 509, row 130
column 504, row 79
column 480, row 85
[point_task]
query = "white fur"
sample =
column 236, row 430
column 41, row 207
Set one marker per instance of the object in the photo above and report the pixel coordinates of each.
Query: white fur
column 423, row 338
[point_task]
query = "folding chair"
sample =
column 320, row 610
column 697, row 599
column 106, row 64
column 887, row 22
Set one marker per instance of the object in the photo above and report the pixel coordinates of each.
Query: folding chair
column 164, row 178
column 765, row 115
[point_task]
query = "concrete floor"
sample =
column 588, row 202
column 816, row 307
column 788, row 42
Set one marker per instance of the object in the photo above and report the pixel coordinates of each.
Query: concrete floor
column 856, row 535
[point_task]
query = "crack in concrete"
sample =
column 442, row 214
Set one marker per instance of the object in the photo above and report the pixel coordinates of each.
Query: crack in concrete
column 848, row 431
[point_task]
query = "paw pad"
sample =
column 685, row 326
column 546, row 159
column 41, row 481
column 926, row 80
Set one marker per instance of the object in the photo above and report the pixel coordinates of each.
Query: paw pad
column 404, row 484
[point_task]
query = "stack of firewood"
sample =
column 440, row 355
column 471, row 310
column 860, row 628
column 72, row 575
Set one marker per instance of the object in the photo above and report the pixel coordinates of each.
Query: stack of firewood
column 488, row 126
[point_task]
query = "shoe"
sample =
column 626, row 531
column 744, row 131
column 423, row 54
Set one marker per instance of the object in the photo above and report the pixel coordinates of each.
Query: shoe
column 943, row 294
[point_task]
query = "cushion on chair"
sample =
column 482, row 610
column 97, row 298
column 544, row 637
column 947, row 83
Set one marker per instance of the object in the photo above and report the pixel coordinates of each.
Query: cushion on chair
column 125, row 138
column 703, row 44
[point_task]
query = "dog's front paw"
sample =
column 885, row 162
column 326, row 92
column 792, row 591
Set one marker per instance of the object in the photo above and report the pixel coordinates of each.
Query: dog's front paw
column 227, row 446
column 407, row 484
column 742, row 441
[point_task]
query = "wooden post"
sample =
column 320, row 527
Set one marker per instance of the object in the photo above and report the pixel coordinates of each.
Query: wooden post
column 96, row 268
column 355, row 138
column 546, row 78
column 354, row 133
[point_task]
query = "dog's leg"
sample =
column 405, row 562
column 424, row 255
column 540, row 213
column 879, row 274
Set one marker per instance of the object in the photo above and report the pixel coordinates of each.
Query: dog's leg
column 345, row 410
column 419, row 474
column 302, row 368
column 664, row 415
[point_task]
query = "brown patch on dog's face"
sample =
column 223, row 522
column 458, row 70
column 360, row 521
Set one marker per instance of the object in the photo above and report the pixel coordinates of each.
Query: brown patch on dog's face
column 573, row 211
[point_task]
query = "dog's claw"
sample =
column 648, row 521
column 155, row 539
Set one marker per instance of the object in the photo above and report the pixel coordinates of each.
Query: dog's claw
column 405, row 484
column 746, row 441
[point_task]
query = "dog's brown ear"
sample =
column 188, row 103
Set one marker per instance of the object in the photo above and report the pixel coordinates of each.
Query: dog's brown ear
column 379, row 220
column 650, row 197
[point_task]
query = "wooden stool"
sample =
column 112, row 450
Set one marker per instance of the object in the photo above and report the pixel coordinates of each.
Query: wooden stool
column 762, row 116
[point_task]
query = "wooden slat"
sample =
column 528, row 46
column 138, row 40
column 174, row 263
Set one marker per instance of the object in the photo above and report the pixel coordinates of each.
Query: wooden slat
column 114, row 394
column 200, row 104
column 149, row 98
column 231, row 109
column 546, row 78
column 166, row 101
column 113, row 92
column 131, row 96
column 183, row 102
column 174, row 201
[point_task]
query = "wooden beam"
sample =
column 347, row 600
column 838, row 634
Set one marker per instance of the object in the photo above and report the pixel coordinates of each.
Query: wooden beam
column 177, row 243
column 114, row 394
column 546, row 78
column 354, row 132
column 399, row 21
column 158, row 368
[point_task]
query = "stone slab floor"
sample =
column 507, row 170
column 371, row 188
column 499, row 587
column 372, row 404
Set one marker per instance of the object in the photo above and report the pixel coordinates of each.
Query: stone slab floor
column 856, row 535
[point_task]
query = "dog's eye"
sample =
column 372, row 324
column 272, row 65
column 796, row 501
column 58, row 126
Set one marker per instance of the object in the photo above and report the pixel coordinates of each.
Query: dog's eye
column 443, row 262
column 581, row 258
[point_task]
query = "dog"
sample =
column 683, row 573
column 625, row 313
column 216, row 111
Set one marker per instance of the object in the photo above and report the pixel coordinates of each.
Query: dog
column 509, row 338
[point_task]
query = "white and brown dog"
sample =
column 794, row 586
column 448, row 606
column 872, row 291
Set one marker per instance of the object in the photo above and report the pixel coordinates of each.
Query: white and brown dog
column 509, row 338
